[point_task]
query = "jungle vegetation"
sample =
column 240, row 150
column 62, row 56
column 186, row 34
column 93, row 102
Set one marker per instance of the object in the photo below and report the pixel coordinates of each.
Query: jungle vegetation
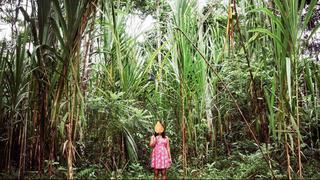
column 235, row 82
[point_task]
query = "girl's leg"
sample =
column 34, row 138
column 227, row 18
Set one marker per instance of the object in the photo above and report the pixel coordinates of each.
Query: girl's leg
column 156, row 173
column 163, row 174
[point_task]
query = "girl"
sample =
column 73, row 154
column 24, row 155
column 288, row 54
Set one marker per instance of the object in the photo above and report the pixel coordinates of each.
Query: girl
column 160, row 157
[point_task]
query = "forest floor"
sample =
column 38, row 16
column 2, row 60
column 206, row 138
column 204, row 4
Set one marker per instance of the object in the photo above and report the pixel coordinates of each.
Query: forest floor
column 244, row 162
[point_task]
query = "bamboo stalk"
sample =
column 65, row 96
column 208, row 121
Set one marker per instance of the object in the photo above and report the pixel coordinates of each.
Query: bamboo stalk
column 9, row 147
column 288, row 158
column 183, row 131
column 298, row 119
column 23, row 149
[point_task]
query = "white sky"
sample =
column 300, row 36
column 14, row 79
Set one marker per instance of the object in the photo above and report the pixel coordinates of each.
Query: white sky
column 137, row 27
column 5, row 29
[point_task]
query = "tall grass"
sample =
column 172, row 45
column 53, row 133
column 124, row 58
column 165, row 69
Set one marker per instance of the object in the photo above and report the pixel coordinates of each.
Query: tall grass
column 286, row 31
column 198, row 76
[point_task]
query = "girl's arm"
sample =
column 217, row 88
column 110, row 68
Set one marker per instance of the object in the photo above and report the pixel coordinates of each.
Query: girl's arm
column 152, row 141
column 168, row 148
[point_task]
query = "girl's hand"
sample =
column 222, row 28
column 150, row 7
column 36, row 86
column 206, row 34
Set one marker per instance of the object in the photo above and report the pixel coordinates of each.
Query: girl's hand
column 152, row 141
column 153, row 138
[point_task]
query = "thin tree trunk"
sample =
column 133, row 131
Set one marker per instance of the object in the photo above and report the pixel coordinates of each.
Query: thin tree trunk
column 298, row 119
column 158, row 31
column 86, row 57
column 72, row 112
column 10, row 129
column 208, row 108
column 183, row 131
column 299, row 154
column 69, row 150
column 288, row 158
column 158, row 82
column 43, row 118
column 52, row 156
column 23, row 150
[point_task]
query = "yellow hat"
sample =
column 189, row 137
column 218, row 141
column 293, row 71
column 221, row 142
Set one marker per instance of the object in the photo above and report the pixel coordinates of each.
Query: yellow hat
column 158, row 128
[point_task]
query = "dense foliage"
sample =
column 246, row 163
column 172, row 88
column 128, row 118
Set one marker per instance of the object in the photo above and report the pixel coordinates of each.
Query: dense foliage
column 236, row 84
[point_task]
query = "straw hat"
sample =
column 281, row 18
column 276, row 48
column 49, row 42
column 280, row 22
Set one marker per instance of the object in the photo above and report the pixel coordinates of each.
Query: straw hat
column 158, row 128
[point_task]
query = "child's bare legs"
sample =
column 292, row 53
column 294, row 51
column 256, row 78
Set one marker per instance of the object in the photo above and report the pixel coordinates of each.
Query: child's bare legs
column 156, row 173
column 163, row 174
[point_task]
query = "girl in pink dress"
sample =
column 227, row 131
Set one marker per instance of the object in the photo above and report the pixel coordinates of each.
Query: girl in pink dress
column 160, row 156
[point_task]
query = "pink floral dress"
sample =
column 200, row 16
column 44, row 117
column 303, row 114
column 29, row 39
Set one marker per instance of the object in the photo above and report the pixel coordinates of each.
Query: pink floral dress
column 160, row 156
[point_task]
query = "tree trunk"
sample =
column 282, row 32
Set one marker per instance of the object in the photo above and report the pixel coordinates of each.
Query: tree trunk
column 183, row 131
column 158, row 81
column 86, row 57
column 288, row 158
column 298, row 119
column 10, row 129
column 69, row 150
column 43, row 118
column 23, row 150
column 52, row 156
